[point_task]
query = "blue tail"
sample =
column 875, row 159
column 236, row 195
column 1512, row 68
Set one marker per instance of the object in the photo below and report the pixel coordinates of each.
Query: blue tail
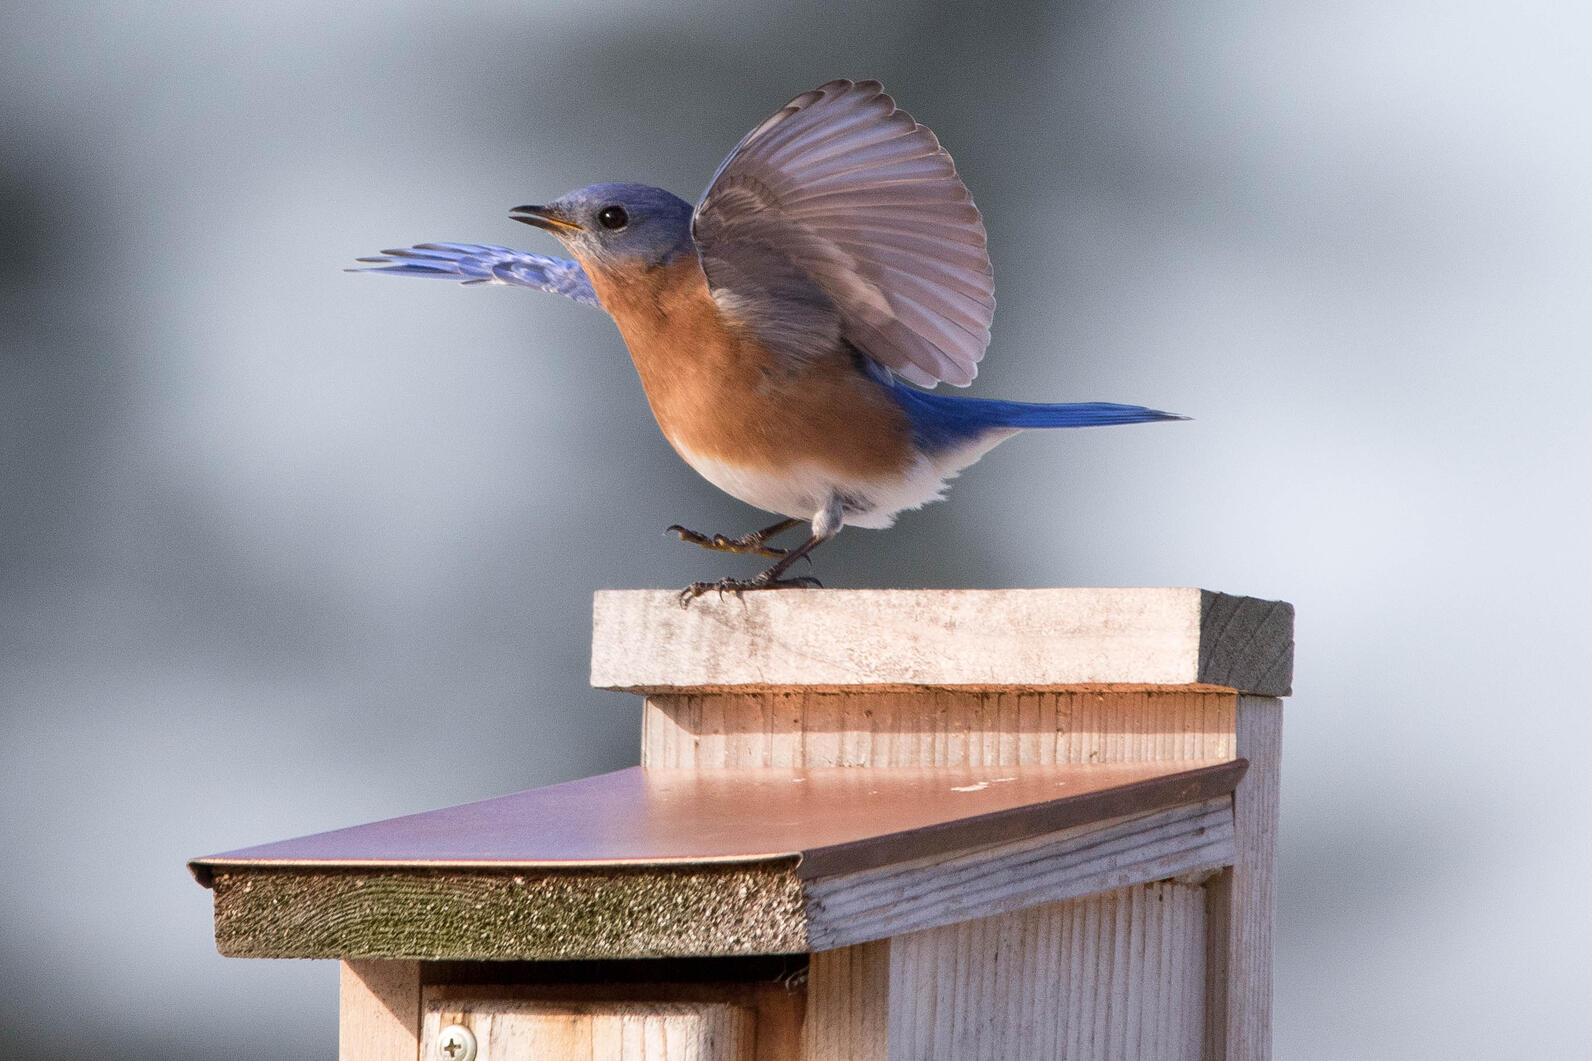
column 941, row 420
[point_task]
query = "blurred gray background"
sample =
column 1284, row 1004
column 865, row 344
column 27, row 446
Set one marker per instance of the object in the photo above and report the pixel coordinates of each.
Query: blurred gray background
column 284, row 549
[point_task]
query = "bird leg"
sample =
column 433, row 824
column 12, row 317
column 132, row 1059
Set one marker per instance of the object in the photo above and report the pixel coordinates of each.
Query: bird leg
column 747, row 543
column 826, row 524
column 769, row 579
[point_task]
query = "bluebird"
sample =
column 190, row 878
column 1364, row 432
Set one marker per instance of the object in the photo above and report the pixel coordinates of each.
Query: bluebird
column 783, row 327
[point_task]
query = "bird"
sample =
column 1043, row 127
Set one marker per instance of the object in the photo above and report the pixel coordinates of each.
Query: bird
column 788, row 329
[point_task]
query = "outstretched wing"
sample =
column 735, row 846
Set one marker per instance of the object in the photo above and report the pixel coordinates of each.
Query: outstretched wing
column 841, row 212
column 478, row 263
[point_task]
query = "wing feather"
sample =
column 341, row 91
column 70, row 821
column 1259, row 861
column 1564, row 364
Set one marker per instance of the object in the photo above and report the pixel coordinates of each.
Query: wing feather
column 481, row 263
column 842, row 216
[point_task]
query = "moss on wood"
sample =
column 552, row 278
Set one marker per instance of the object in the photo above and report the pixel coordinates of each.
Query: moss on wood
column 476, row 914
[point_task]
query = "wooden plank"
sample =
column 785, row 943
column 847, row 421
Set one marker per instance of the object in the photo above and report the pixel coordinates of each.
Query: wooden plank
column 644, row 641
column 1243, row 900
column 1118, row 975
column 428, row 914
column 1084, row 861
column 1085, row 800
column 848, row 995
column 1246, row 643
column 378, row 1012
column 935, row 727
column 780, row 1016
column 766, row 908
column 510, row 879
column 776, row 1007
column 507, row 1030
column 964, row 950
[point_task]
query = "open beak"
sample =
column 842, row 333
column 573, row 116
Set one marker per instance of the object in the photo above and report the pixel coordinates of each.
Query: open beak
column 542, row 217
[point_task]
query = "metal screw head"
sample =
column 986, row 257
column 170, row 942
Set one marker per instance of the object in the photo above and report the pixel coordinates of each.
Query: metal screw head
column 456, row 1043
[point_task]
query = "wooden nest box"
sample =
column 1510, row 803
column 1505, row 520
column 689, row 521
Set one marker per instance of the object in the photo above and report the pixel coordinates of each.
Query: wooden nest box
column 954, row 825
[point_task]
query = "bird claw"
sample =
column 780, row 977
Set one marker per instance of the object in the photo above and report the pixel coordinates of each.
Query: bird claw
column 747, row 543
column 738, row 586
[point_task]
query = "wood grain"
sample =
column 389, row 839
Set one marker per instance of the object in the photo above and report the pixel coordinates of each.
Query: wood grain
column 507, row 1030
column 784, row 905
column 1119, row 975
column 1143, row 936
column 378, row 1012
column 644, row 641
column 935, row 727
column 1243, row 900
column 503, row 915
column 848, row 1004
column 776, row 1007
column 1097, row 858
column 1246, row 643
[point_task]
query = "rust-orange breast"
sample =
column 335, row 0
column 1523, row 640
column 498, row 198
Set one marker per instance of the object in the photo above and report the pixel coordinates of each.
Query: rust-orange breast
column 719, row 394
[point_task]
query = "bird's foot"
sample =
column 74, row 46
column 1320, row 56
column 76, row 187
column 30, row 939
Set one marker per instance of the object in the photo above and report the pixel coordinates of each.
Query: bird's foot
column 737, row 586
column 752, row 543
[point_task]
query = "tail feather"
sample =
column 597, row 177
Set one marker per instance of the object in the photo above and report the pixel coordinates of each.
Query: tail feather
column 942, row 420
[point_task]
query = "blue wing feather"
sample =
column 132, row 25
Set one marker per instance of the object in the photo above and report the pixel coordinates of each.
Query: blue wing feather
column 480, row 263
column 941, row 421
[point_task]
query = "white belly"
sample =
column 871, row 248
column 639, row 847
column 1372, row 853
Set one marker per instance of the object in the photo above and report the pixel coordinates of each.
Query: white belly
column 802, row 491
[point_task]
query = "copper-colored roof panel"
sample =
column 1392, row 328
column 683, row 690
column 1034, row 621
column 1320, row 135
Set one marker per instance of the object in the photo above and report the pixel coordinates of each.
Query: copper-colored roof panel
column 834, row 820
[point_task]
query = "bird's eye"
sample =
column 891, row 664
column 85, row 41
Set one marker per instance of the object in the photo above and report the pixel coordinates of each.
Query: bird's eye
column 613, row 217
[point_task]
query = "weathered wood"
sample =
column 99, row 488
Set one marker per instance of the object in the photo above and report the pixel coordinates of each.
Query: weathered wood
column 1143, row 934
column 648, row 863
column 776, row 1007
column 504, row 915
column 378, row 1013
column 614, row 1031
column 935, row 727
column 780, row 906
column 1085, row 861
column 1243, row 900
column 1118, row 975
column 848, row 1004
column 645, row 642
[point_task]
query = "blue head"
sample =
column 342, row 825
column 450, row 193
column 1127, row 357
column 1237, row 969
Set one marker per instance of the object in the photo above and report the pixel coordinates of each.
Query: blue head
column 613, row 225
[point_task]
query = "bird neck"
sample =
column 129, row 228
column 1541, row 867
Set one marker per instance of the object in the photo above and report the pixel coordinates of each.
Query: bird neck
column 641, row 295
column 683, row 346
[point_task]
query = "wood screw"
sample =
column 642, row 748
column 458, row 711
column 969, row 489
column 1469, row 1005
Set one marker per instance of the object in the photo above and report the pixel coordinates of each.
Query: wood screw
column 456, row 1043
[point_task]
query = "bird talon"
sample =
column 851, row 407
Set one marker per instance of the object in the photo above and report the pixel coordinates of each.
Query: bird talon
column 699, row 589
column 739, row 586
